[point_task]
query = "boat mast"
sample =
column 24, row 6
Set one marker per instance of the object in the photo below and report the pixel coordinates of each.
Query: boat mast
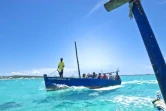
column 149, row 40
column 152, row 46
column 77, row 60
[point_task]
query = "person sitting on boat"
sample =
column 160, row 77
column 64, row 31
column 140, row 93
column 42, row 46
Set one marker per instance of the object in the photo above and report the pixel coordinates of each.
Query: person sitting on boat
column 90, row 76
column 60, row 68
column 105, row 76
column 84, row 75
column 94, row 75
column 99, row 77
column 117, row 76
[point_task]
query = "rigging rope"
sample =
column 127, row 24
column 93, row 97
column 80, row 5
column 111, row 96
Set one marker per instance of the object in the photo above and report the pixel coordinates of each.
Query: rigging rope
column 131, row 8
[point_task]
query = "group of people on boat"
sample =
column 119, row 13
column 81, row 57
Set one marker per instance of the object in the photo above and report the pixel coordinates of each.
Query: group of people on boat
column 100, row 76
column 61, row 66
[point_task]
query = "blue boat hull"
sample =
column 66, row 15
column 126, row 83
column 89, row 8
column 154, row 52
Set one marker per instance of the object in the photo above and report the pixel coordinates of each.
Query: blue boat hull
column 52, row 82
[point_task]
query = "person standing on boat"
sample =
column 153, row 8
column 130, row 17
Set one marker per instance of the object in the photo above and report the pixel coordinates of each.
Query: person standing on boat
column 60, row 68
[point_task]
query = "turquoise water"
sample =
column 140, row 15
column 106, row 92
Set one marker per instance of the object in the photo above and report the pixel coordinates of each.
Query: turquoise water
column 135, row 94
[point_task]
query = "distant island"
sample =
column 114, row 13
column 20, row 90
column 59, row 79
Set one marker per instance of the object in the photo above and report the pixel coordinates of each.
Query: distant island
column 136, row 74
column 21, row 77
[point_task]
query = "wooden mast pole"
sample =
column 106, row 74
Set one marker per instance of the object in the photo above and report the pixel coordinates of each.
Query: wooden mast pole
column 77, row 60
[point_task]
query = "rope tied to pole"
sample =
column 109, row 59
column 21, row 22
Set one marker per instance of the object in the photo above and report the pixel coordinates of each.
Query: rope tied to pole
column 52, row 73
column 131, row 12
column 131, row 8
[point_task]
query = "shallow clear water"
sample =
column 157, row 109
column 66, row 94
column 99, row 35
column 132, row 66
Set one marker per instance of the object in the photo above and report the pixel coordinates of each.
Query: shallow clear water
column 135, row 94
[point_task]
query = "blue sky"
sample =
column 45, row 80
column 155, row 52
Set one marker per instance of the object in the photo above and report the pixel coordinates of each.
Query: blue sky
column 35, row 34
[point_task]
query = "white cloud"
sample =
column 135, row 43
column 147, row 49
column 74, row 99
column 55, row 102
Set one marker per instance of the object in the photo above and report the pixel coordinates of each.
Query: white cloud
column 96, row 7
column 165, row 58
column 41, row 71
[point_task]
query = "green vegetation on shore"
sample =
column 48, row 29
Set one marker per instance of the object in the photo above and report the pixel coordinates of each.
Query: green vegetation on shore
column 19, row 76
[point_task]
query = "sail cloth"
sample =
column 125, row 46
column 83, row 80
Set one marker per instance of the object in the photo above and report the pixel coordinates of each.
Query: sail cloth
column 113, row 4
